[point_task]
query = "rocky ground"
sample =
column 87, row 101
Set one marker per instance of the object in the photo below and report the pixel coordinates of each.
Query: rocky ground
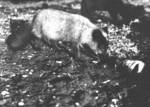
column 50, row 78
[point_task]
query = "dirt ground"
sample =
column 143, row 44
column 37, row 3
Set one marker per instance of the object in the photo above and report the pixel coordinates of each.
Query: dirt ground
column 50, row 78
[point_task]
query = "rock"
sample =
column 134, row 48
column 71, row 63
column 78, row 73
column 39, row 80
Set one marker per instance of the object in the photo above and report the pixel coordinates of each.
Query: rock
column 135, row 65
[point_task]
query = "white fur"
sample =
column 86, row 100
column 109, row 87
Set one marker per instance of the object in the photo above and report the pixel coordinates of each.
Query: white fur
column 62, row 26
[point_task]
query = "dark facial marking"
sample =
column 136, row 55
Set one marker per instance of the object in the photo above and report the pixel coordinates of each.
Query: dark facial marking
column 99, row 38
column 105, row 29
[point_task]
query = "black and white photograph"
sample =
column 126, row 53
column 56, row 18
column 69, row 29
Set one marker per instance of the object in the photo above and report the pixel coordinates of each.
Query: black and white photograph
column 74, row 53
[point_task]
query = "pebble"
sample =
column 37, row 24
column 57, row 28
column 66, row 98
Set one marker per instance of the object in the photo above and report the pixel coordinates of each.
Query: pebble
column 4, row 93
column 21, row 103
